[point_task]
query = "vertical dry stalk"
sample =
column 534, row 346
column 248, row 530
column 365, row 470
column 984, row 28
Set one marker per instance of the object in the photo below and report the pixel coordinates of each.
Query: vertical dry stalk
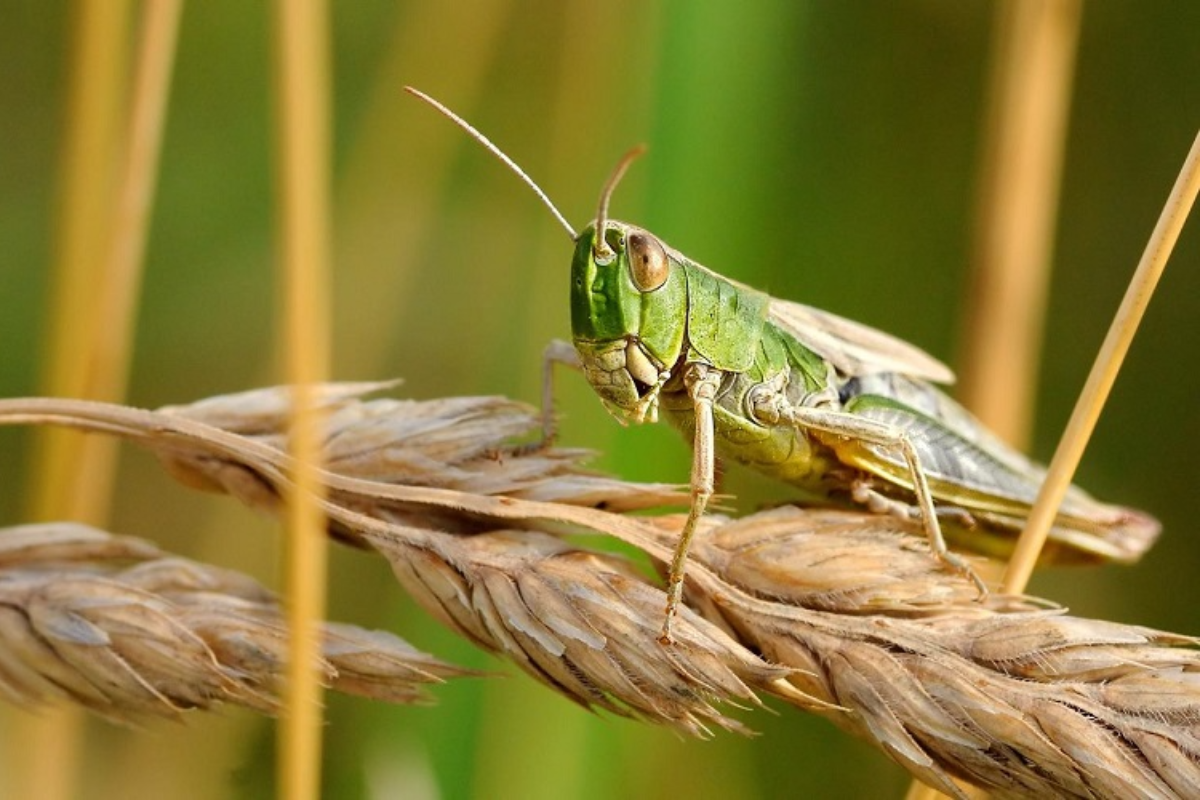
column 1033, row 66
column 109, row 355
column 1033, row 62
column 91, row 339
column 303, row 196
column 63, row 480
column 377, row 239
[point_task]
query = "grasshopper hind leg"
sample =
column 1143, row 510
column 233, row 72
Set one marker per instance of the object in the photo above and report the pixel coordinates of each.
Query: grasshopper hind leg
column 836, row 428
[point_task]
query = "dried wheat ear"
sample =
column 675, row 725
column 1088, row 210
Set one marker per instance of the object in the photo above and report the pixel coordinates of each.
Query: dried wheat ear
column 120, row 627
column 843, row 614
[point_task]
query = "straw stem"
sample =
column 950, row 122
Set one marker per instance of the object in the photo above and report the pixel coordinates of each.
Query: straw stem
column 303, row 197
column 1104, row 371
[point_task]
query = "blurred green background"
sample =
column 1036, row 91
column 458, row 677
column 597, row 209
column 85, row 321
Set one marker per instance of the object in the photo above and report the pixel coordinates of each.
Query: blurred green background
column 826, row 152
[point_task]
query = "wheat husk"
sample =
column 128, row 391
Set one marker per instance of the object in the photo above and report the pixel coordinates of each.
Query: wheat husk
column 130, row 632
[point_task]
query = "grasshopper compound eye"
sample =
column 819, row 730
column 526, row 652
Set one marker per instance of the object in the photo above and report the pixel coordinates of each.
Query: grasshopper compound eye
column 648, row 263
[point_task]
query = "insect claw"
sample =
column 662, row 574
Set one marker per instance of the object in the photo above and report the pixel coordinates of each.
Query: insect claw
column 967, row 571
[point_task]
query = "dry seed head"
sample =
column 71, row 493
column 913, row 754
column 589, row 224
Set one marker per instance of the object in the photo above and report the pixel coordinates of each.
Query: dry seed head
column 583, row 623
column 1012, row 695
column 128, row 632
column 463, row 443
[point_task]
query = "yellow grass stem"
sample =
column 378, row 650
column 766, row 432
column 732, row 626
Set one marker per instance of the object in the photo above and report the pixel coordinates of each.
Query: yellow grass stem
column 92, row 131
column 104, row 210
column 303, row 198
column 116, row 302
column 1033, row 60
column 1033, row 67
column 1104, row 370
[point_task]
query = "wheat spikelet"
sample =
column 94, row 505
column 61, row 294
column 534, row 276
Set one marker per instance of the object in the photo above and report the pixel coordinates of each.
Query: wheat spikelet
column 128, row 631
column 461, row 443
column 583, row 623
column 841, row 613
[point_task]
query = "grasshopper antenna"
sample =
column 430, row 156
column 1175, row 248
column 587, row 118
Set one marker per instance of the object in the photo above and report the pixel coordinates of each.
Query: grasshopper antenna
column 600, row 250
column 498, row 153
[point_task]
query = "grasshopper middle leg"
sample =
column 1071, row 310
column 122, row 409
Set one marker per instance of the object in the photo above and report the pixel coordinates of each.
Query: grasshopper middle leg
column 702, row 383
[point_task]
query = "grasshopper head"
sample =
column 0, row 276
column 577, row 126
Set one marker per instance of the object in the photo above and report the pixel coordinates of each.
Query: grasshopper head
column 628, row 315
column 628, row 296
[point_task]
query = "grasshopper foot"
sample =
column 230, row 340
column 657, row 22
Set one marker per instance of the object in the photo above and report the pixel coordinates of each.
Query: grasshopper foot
column 960, row 565
column 674, row 595
column 862, row 493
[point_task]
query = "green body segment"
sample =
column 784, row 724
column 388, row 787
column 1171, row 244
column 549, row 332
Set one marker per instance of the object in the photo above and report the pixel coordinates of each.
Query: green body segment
column 783, row 452
column 726, row 323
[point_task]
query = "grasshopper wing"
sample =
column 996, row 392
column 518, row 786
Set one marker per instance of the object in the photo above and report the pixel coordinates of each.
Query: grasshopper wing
column 855, row 349
column 995, row 485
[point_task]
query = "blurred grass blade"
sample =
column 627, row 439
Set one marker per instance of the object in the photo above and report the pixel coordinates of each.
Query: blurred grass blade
column 115, row 313
column 1033, row 63
column 64, row 483
column 92, row 319
column 1032, row 69
column 377, row 241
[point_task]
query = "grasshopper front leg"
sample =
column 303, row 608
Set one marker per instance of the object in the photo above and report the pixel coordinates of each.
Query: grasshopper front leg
column 557, row 352
column 850, row 426
column 621, row 364
column 702, row 382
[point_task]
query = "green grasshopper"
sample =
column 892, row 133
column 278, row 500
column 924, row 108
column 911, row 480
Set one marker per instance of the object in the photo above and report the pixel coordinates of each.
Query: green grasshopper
column 845, row 412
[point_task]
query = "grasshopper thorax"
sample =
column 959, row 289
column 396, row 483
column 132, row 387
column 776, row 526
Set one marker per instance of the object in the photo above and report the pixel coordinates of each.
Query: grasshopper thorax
column 628, row 315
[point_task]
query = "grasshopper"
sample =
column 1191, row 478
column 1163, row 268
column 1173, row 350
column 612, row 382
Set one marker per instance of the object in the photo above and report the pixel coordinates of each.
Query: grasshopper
column 845, row 412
